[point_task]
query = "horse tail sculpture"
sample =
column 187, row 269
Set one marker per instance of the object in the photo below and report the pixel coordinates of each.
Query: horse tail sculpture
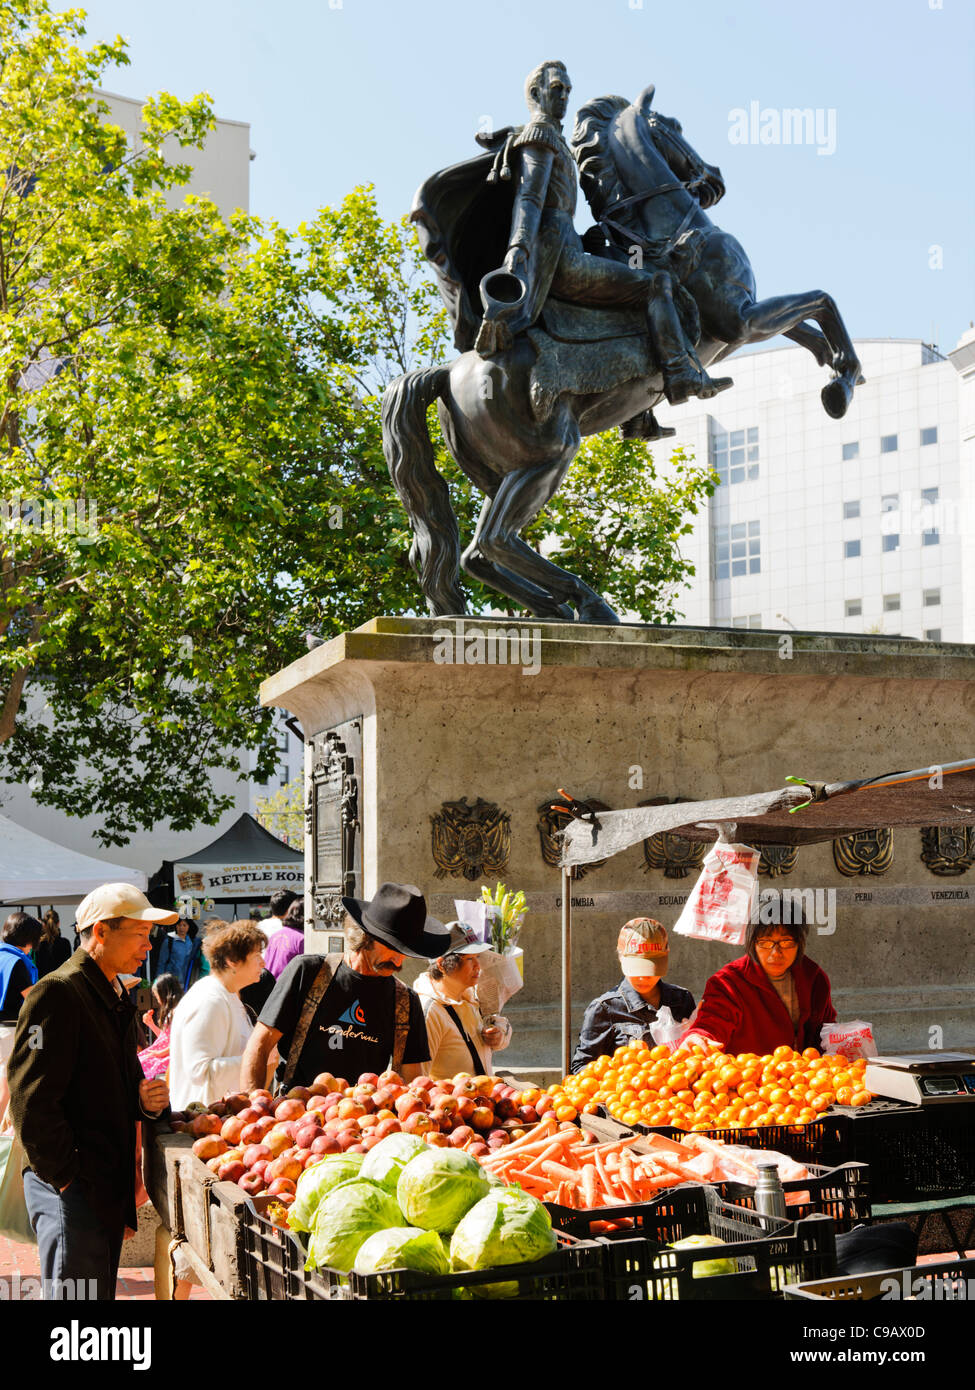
column 435, row 552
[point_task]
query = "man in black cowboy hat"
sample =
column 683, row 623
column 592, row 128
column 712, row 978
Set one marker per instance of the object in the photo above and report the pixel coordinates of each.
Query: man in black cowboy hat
column 349, row 1014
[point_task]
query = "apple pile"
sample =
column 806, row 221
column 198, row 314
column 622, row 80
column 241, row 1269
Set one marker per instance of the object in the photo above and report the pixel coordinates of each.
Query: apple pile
column 264, row 1143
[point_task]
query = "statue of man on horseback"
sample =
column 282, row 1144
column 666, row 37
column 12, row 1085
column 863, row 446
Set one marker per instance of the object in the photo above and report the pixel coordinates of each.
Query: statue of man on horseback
column 562, row 337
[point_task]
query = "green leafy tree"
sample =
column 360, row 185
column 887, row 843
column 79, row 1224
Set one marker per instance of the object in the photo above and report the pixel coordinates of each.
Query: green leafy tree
column 205, row 397
column 283, row 813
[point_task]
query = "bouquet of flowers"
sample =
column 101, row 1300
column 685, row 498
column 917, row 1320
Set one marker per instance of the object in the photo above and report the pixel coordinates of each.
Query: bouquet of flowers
column 507, row 911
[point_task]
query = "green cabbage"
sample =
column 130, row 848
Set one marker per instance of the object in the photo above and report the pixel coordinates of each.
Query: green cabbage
column 702, row 1269
column 504, row 1228
column 386, row 1160
column 437, row 1187
column 403, row 1247
column 315, row 1182
column 346, row 1217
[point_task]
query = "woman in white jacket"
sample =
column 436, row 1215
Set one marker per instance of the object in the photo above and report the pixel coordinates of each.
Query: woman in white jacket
column 458, row 1038
column 211, row 1026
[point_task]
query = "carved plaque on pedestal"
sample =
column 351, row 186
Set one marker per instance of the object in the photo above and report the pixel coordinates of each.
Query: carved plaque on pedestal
column 333, row 814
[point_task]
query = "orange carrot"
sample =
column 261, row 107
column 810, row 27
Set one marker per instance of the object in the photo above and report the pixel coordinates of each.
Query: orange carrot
column 559, row 1170
column 590, row 1186
column 555, row 1151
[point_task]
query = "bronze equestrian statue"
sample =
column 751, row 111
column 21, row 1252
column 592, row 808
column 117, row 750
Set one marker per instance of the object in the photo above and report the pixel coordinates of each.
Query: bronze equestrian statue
column 562, row 337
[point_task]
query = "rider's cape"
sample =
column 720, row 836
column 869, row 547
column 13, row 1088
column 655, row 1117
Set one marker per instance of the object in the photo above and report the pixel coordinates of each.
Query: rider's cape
column 463, row 224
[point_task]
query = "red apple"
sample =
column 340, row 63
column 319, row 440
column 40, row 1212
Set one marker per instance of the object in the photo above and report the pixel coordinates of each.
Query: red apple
column 462, row 1135
column 505, row 1109
column 368, row 1078
column 370, row 1140
column 418, row 1122
column 498, row 1138
column 254, row 1153
column 260, row 1168
column 389, row 1078
column 277, row 1141
column 324, row 1144
column 388, row 1126
column 483, row 1117
column 218, row 1108
column 349, row 1139
column 289, row 1109
column 423, row 1083
column 330, row 1082
column 466, row 1088
column 249, row 1114
column 528, row 1114
column 231, row 1172
column 202, row 1125
column 302, row 1093
column 251, row 1134
column 306, row 1136
column 466, row 1107
column 478, row 1150
column 252, row 1183
column 282, row 1185
column 291, row 1168
column 232, row 1129
column 318, row 1103
column 407, row 1104
column 357, row 1149
column 350, row 1110
column 435, row 1139
column 368, row 1122
column 210, row 1146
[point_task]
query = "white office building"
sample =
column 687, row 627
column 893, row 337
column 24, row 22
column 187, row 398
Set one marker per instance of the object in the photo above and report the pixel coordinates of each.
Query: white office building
column 859, row 525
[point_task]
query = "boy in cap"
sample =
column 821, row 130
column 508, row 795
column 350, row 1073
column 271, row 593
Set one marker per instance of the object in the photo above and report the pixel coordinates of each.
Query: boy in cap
column 626, row 1012
column 76, row 1092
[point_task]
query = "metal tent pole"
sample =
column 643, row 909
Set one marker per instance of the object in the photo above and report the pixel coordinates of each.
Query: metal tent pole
column 566, row 969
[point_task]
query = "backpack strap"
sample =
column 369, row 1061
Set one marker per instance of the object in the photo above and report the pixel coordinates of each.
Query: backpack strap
column 309, row 1008
column 401, row 1023
column 476, row 1061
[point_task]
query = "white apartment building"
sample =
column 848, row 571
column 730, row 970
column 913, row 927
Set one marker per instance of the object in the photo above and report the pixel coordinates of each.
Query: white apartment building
column 859, row 525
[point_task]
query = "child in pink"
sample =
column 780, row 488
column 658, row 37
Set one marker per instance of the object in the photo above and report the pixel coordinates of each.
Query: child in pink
column 166, row 994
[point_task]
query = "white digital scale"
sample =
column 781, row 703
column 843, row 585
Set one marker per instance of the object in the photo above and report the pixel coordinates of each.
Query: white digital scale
column 924, row 1078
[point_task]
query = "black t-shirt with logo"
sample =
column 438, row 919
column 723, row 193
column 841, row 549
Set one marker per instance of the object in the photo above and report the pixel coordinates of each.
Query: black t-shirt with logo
column 352, row 1031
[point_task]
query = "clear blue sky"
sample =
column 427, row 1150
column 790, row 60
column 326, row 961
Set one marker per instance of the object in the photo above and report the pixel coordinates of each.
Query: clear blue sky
column 387, row 91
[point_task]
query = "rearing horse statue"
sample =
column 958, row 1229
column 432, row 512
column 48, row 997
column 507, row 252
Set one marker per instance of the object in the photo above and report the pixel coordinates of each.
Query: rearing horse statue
column 558, row 341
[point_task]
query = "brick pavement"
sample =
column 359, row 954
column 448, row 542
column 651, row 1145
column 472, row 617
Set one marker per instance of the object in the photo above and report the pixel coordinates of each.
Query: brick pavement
column 133, row 1284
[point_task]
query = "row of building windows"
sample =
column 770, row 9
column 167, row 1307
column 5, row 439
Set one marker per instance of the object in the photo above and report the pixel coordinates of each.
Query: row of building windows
column 931, row 598
column 889, row 443
column 852, row 549
column 734, row 453
column 854, row 609
column 890, row 502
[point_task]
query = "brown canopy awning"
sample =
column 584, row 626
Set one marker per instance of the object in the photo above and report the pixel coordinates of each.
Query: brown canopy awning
column 803, row 813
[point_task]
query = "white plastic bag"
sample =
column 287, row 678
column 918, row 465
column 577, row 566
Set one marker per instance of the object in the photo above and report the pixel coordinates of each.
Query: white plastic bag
column 721, row 901
column 500, row 978
column 475, row 915
column 852, row 1039
column 666, row 1031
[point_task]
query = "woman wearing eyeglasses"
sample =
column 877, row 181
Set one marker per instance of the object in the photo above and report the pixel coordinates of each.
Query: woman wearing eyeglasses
column 772, row 995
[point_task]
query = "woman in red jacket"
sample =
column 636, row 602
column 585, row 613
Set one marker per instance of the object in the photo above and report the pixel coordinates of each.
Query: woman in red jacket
column 772, row 995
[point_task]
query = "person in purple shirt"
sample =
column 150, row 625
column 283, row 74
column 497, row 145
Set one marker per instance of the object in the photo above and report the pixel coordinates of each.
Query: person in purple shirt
column 287, row 943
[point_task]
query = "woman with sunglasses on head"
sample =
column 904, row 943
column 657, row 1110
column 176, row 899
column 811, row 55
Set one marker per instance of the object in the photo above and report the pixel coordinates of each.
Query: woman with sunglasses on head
column 774, row 995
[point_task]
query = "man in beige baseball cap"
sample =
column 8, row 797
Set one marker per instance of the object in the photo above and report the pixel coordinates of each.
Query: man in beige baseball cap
column 626, row 1012
column 76, row 1091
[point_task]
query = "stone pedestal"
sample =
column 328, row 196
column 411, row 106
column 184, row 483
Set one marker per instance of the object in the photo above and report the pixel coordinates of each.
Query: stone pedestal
column 510, row 712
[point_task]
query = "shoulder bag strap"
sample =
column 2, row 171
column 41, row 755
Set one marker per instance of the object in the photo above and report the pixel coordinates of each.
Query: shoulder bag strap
column 455, row 1019
column 313, row 998
column 401, row 1023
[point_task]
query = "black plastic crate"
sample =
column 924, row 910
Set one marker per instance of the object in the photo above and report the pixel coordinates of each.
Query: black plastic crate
column 949, row 1283
column 767, row 1253
column 843, row 1193
column 915, row 1152
column 275, row 1262
column 821, row 1141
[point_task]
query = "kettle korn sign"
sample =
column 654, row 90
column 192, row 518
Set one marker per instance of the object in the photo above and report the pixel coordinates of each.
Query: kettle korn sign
column 238, row 880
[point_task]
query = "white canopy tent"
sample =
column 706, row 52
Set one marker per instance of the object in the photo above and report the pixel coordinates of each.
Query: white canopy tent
column 36, row 870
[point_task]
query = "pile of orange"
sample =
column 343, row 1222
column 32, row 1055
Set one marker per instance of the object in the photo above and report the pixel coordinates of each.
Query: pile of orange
column 696, row 1089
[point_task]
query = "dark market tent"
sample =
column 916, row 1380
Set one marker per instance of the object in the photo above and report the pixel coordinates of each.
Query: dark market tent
column 802, row 813
column 245, row 863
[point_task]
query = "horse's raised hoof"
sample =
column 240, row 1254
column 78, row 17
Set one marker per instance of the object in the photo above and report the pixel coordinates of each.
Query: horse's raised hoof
column 597, row 612
column 836, row 396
